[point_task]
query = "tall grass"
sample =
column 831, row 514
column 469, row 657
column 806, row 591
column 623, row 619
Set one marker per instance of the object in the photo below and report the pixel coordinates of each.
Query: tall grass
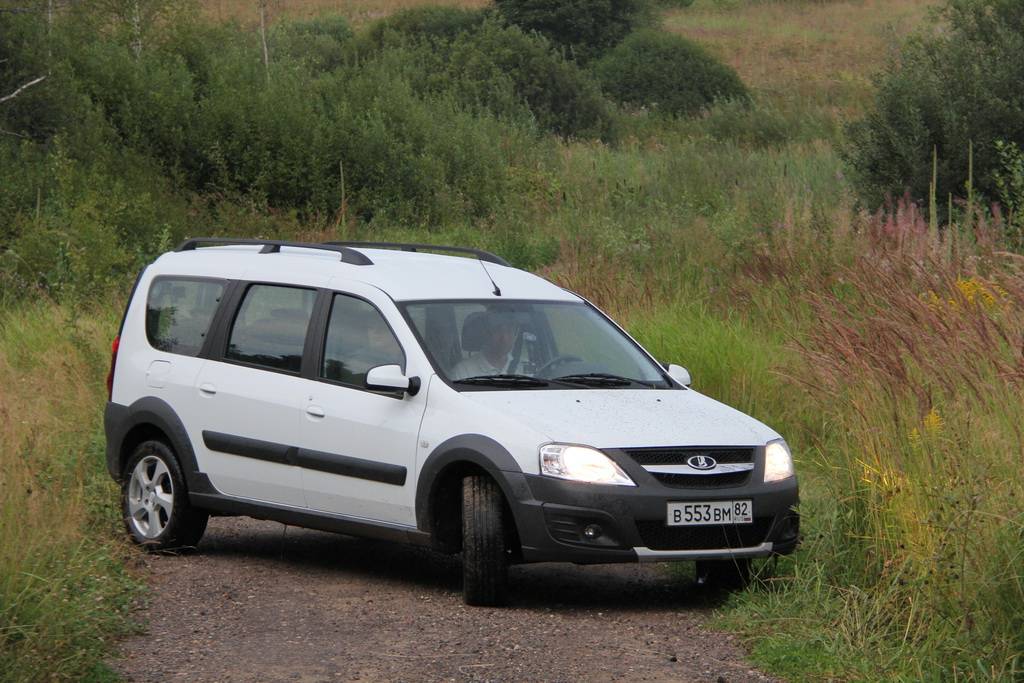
column 911, row 355
column 63, row 585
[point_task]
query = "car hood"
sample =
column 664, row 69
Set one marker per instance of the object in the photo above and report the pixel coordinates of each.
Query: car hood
column 625, row 418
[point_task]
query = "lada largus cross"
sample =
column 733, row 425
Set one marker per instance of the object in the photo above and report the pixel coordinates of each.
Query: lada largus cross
column 450, row 401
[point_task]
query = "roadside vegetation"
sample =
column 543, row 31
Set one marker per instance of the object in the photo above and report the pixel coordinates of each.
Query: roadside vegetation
column 758, row 234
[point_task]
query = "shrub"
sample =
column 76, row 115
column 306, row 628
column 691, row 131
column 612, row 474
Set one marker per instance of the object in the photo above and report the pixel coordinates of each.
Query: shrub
column 503, row 71
column 320, row 42
column 667, row 73
column 585, row 28
column 502, row 67
column 953, row 93
column 1009, row 180
column 418, row 159
column 424, row 23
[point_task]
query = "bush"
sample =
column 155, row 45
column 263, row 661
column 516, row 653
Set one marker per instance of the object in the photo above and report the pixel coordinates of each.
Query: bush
column 948, row 92
column 412, row 158
column 424, row 23
column 502, row 68
column 320, row 43
column 584, row 28
column 666, row 73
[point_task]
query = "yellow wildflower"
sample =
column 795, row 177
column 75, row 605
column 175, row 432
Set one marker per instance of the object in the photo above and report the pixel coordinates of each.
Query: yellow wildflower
column 933, row 423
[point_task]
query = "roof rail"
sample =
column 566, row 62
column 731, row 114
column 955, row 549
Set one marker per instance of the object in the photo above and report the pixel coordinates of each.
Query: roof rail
column 479, row 253
column 350, row 256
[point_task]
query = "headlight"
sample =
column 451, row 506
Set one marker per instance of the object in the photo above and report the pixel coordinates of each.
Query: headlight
column 778, row 463
column 580, row 463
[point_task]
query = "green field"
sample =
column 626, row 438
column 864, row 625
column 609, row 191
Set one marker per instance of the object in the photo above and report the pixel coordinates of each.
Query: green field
column 886, row 347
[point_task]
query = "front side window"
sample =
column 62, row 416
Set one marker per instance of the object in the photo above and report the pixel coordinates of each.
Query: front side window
column 358, row 339
column 179, row 312
column 270, row 328
column 530, row 344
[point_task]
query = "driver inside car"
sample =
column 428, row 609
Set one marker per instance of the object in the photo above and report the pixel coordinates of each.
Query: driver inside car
column 489, row 337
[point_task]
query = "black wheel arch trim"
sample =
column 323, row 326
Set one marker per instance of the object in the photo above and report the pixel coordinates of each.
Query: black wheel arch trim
column 119, row 420
column 474, row 449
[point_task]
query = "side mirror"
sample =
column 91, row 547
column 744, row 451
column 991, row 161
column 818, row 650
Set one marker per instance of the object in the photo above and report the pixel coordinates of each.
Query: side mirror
column 390, row 378
column 679, row 374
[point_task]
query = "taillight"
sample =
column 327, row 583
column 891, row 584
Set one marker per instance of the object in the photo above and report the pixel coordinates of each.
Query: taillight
column 113, row 362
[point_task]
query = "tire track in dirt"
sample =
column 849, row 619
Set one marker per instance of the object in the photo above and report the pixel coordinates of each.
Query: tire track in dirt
column 263, row 602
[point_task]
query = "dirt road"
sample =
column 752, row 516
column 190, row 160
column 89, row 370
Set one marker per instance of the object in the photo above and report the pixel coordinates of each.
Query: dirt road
column 262, row 602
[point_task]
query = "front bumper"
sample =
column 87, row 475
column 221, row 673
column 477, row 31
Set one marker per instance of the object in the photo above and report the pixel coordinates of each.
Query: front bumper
column 631, row 522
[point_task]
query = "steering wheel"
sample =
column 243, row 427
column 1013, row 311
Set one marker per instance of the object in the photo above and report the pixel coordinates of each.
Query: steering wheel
column 545, row 369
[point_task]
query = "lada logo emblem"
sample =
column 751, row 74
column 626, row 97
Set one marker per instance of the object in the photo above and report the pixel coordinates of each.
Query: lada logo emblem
column 701, row 462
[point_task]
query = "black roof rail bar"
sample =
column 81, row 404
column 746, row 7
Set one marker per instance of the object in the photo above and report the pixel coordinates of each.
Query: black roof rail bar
column 350, row 256
column 403, row 246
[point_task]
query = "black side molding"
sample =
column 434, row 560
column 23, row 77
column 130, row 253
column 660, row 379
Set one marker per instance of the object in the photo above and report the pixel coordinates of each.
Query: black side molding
column 348, row 466
column 249, row 448
column 332, row 463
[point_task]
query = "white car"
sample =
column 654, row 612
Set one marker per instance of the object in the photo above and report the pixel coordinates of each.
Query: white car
column 445, row 400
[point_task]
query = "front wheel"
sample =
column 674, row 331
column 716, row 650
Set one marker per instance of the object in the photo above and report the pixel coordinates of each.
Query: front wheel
column 155, row 503
column 484, row 555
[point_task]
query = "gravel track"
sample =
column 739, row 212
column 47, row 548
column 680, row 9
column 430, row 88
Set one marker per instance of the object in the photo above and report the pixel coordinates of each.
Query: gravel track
column 265, row 602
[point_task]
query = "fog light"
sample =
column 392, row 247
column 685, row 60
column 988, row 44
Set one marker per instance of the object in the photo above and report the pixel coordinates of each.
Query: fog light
column 592, row 532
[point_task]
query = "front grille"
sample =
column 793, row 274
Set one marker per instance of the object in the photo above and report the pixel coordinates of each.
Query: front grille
column 702, row 481
column 657, row 536
column 679, row 456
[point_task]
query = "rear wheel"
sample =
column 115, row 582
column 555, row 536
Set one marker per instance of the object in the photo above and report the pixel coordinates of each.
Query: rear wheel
column 484, row 552
column 154, row 501
column 731, row 574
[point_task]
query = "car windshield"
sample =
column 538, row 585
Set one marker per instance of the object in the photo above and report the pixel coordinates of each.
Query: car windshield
column 530, row 345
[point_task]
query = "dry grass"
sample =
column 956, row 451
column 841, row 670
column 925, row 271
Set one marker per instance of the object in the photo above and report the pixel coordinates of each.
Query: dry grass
column 819, row 52
column 60, row 587
column 358, row 12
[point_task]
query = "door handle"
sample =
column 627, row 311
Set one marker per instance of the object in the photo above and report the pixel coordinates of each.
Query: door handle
column 315, row 411
column 208, row 389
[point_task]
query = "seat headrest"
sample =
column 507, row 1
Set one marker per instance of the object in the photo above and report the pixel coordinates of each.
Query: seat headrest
column 474, row 331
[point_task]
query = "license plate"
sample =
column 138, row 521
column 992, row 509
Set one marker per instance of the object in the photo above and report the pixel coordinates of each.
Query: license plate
column 717, row 512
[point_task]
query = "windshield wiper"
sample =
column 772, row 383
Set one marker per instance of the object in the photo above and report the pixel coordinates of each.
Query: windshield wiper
column 504, row 380
column 601, row 379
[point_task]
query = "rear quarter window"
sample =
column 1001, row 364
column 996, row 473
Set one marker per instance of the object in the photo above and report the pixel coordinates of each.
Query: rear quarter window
column 179, row 312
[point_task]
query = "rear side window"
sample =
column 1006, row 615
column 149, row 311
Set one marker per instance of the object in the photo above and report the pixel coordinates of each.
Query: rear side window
column 270, row 328
column 179, row 312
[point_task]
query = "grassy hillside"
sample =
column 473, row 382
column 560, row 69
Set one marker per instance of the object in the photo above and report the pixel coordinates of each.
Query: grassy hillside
column 884, row 346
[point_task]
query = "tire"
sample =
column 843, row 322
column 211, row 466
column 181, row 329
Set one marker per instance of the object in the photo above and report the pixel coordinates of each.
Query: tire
column 727, row 575
column 484, row 552
column 154, row 501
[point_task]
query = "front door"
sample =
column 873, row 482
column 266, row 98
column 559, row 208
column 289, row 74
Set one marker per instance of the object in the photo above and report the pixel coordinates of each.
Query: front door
column 357, row 447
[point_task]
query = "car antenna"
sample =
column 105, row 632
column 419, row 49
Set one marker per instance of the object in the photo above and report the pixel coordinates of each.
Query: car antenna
column 497, row 290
